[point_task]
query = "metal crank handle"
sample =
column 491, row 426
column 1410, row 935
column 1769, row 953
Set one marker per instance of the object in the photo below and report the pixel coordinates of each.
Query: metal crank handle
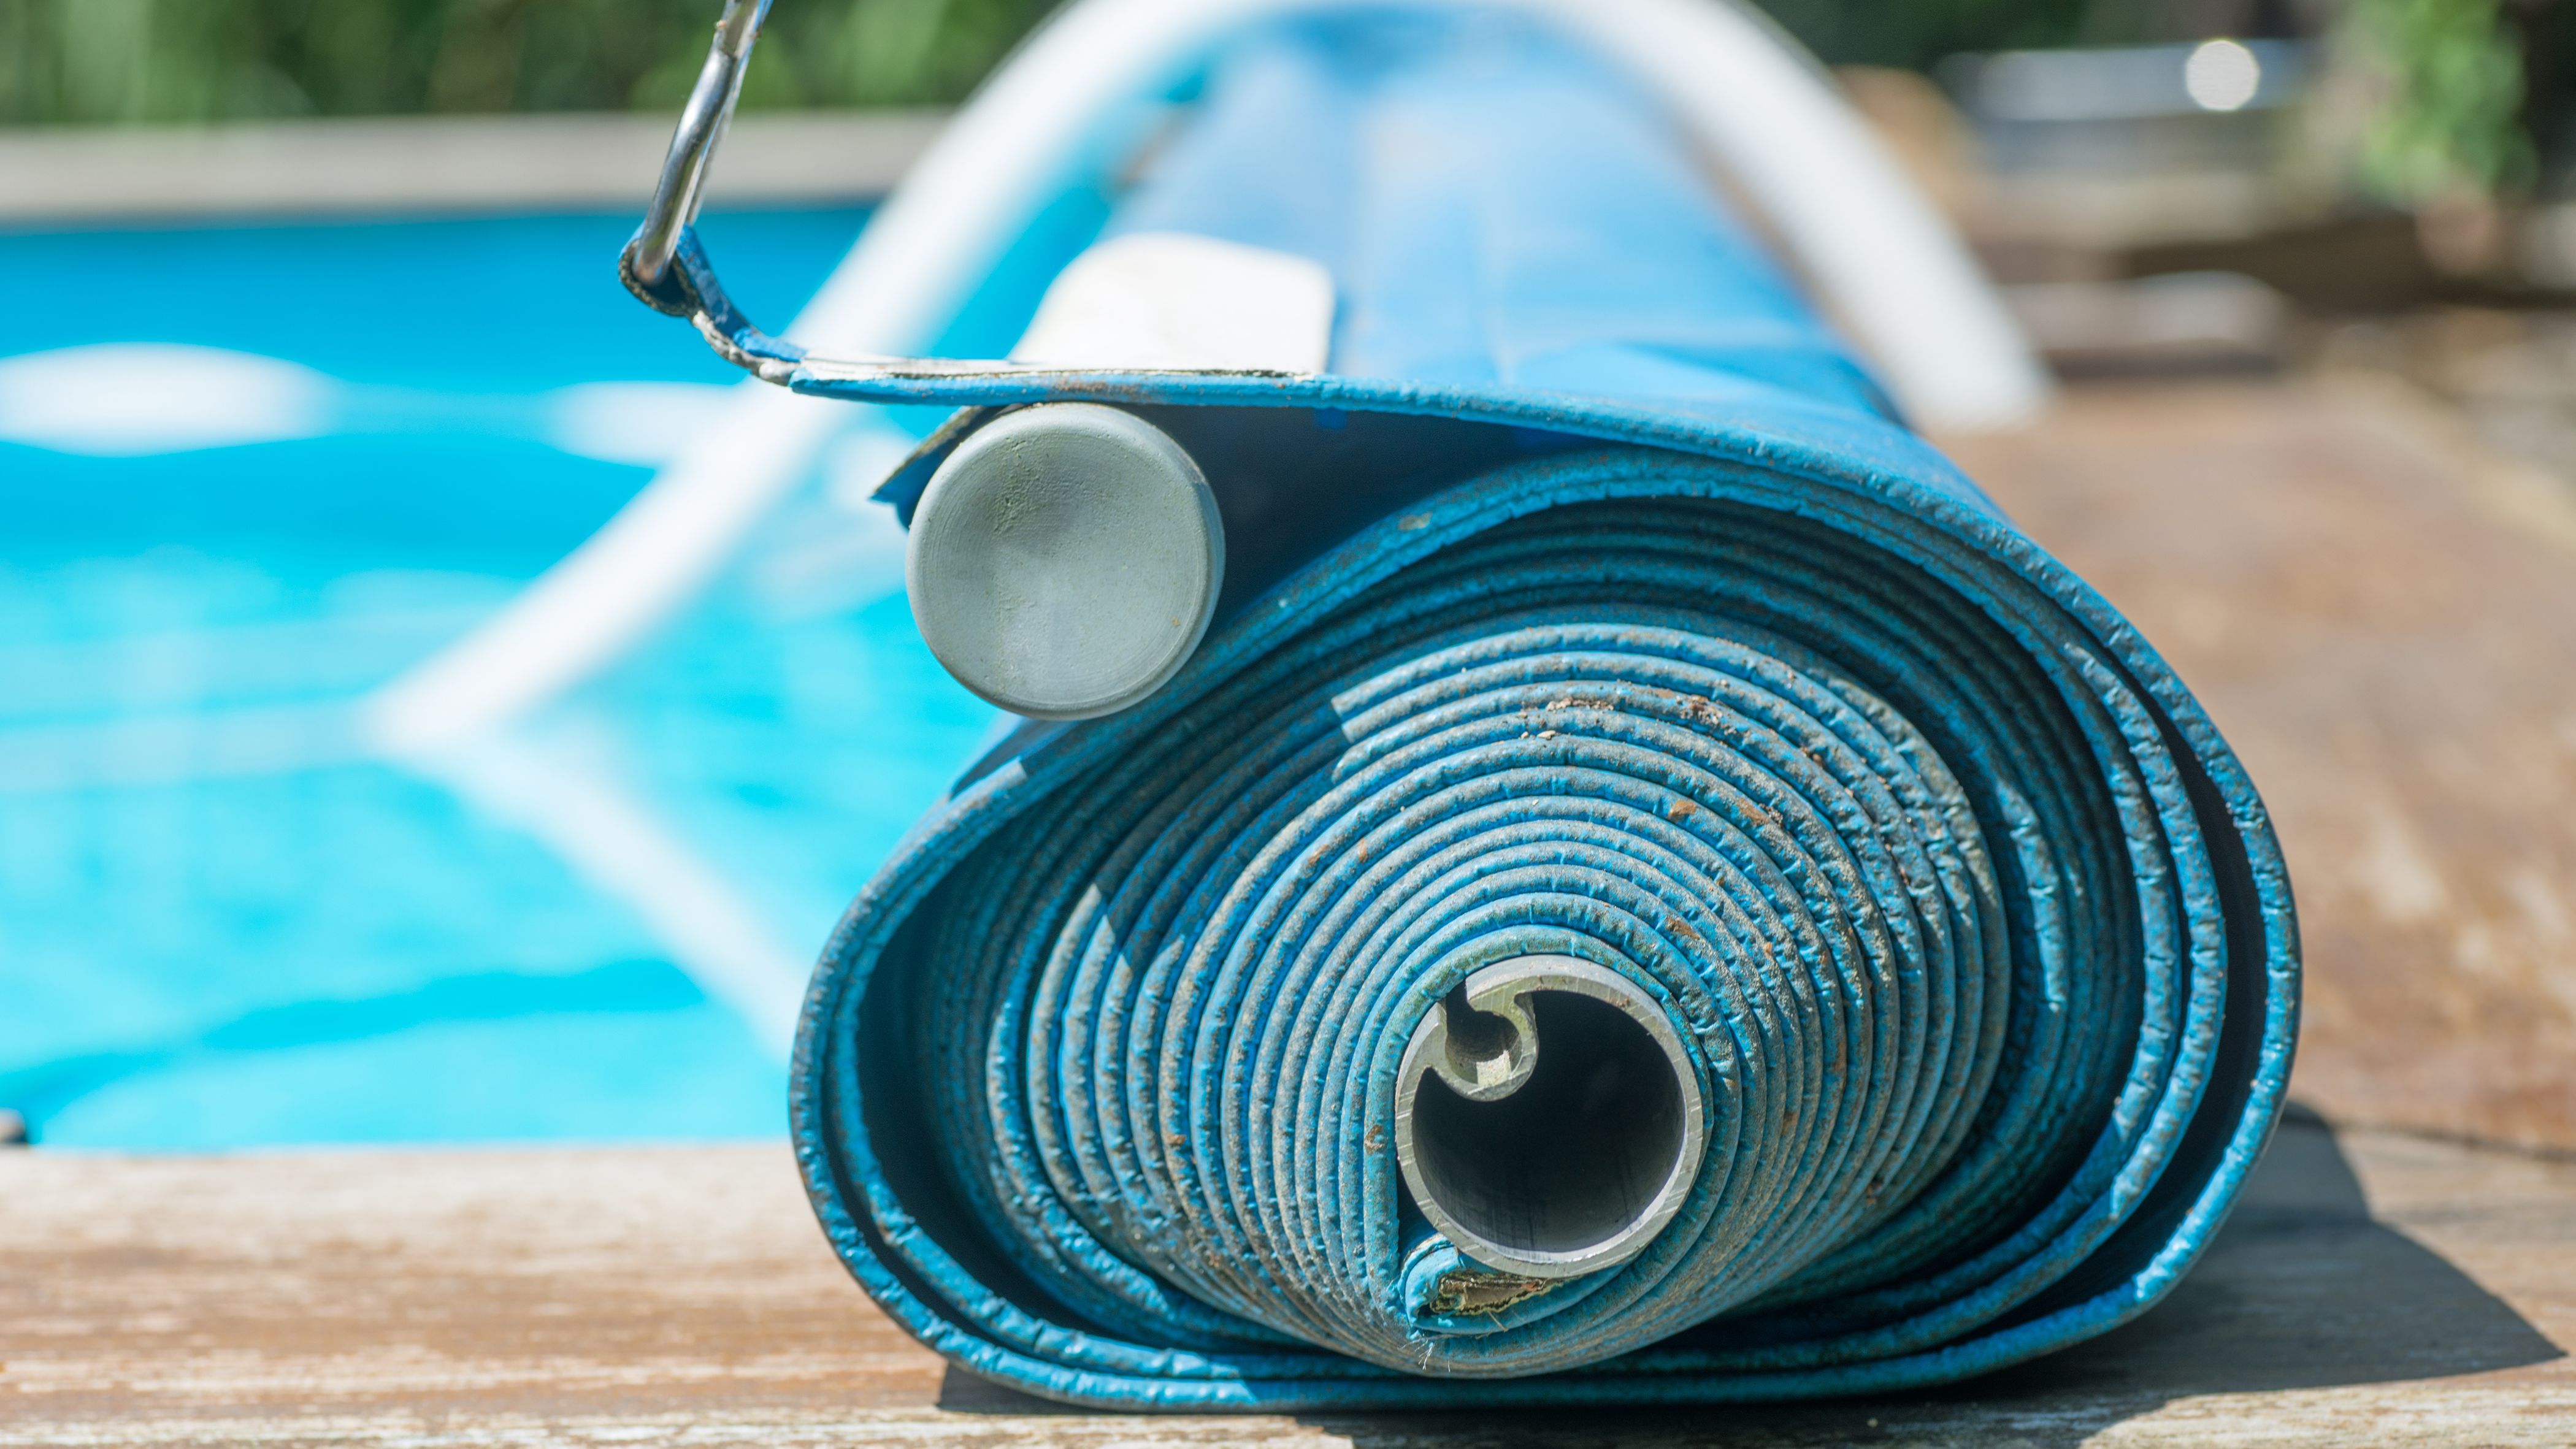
column 693, row 145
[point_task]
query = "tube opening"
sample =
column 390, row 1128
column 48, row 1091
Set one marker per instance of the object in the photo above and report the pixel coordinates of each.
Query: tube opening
column 1552, row 1125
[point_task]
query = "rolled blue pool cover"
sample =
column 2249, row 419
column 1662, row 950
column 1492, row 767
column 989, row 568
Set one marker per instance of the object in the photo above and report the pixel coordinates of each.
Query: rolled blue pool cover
column 1594, row 605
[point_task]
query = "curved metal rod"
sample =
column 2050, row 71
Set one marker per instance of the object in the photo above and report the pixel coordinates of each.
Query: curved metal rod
column 1882, row 261
column 693, row 144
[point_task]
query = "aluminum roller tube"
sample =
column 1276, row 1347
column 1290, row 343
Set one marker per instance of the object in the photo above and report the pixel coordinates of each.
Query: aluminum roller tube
column 1553, row 1173
column 1648, row 888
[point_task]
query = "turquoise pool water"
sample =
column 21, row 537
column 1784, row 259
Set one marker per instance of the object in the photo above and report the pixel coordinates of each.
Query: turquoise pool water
column 224, row 923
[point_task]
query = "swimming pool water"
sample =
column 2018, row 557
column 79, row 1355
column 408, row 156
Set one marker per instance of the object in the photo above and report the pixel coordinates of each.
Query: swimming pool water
column 223, row 922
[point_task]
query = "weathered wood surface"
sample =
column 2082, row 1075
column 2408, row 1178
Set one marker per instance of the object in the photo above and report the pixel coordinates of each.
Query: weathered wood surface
column 2381, row 615
column 2383, row 1289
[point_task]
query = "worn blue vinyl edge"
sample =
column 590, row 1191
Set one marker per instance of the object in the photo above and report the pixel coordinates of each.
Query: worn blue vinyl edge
column 1717, row 537
column 1857, row 473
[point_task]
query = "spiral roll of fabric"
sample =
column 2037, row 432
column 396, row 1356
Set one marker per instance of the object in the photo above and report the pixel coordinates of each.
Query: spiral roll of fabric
column 1601, row 738
column 1960, row 932
column 1651, row 889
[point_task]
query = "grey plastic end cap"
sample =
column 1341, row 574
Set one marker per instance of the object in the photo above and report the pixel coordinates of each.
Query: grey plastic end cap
column 1065, row 560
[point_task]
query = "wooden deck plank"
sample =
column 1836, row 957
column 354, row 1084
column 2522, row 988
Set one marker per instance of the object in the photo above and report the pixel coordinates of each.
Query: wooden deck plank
column 2380, row 1289
column 2380, row 613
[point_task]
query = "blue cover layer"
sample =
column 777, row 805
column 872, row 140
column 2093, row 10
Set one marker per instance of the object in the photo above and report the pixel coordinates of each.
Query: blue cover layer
column 1594, row 604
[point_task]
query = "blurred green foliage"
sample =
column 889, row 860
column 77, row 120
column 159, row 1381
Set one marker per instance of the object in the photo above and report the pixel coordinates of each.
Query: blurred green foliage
column 1913, row 36
column 89, row 61
column 2448, row 121
column 2453, row 74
